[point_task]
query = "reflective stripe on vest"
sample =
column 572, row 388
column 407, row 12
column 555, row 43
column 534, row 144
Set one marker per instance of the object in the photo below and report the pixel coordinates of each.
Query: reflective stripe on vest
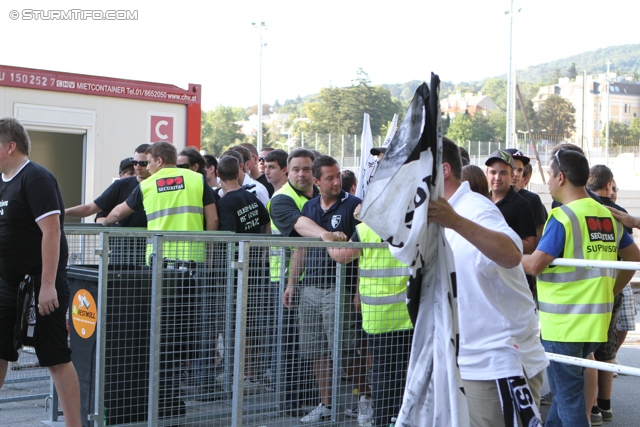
column 575, row 302
column 390, row 299
column 178, row 208
column 389, row 272
column 175, row 211
column 576, row 308
column 581, row 273
column 383, row 287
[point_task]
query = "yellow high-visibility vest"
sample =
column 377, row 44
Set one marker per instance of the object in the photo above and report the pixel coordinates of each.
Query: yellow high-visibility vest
column 575, row 302
column 172, row 200
column 276, row 253
column 383, row 287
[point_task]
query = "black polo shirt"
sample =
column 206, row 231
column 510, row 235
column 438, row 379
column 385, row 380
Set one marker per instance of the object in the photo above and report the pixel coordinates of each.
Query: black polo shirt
column 539, row 211
column 320, row 268
column 284, row 211
column 518, row 214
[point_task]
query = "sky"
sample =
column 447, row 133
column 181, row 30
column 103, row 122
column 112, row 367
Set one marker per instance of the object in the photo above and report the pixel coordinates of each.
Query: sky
column 309, row 45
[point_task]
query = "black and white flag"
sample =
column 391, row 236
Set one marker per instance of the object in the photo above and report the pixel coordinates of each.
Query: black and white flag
column 395, row 207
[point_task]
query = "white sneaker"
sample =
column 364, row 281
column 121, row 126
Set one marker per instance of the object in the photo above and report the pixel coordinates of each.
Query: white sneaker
column 365, row 411
column 319, row 413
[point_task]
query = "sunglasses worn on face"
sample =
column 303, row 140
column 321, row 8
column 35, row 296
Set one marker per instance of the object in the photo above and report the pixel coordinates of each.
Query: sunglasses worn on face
column 615, row 189
column 261, row 159
column 142, row 163
column 184, row 166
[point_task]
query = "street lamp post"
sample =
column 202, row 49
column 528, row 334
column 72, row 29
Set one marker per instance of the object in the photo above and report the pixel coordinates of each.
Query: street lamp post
column 511, row 84
column 608, row 122
column 260, row 26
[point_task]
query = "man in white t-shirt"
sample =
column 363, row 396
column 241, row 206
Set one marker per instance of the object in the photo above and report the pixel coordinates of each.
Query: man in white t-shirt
column 500, row 353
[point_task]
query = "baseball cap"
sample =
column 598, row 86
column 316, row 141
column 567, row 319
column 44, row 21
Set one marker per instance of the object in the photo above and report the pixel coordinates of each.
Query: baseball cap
column 501, row 155
column 517, row 154
column 125, row 163
column 377, row 150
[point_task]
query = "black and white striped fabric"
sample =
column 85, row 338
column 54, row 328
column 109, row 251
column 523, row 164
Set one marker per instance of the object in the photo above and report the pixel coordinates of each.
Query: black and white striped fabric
column 395, row 207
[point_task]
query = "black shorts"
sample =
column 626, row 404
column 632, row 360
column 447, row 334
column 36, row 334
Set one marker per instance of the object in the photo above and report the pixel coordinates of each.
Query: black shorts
column 51, row 336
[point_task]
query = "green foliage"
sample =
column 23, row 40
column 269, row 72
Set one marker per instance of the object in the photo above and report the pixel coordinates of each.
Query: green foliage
column 481, row 128
column 460, row 129
column 498, row 120
column 464, row 87
column 625, row 59
column 617, row 130
column 634, row 128
column 253, row 110
column 219, row 130
column 341, row 110
column 496, row 89
column 556, row 115
column 572, row 72
column 446, row 122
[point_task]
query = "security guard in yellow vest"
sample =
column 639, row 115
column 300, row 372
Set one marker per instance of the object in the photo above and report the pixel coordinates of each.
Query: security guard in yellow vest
column 385, row 319
column 285, row 210
column 576, row 302
column 173, row 199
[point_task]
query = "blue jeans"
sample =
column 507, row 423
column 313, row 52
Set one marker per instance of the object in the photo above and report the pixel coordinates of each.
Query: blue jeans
column 567, row 385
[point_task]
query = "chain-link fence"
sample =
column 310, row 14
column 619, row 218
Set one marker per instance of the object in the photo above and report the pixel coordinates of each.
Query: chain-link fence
column 203, row 338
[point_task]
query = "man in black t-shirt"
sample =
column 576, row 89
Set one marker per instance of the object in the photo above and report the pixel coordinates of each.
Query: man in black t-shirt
column 34, row 243
column 539, row 211
column 117, row 193
column 515, row 209
column 239, row 210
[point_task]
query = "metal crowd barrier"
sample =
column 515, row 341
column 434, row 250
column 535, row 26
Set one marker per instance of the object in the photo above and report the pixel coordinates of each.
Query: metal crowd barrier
column 189, row 329
column 201, row 338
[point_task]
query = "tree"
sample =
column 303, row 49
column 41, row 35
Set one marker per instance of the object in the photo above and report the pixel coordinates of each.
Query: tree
column 634, row 128
column 446, row 122
column 556, row 115
column 341, row 110
column 253, row 110
column 219, row 129
column 498, row 120
column 572, row 72
column 481, row 129
column 618, row 132
column 460, row 129
column 496, row 89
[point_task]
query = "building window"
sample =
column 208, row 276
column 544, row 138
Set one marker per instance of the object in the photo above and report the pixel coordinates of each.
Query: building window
column 626, row 108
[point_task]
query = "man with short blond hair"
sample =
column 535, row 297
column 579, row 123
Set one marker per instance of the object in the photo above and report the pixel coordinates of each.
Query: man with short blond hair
column 34, row 245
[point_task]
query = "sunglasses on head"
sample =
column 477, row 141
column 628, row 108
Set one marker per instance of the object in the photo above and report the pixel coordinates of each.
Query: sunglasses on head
column 142, row 163
column 184, row 166
column 557, row 156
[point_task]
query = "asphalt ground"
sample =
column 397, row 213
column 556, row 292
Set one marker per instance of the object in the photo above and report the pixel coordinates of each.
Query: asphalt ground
column 624, row 402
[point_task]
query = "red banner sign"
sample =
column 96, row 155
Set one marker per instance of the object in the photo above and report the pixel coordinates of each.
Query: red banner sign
column 101, row 86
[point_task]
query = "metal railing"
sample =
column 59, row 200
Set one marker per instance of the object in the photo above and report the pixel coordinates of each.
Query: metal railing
column 202, row 338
